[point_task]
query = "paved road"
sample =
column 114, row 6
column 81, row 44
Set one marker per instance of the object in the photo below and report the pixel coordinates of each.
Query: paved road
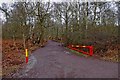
column 54, row 61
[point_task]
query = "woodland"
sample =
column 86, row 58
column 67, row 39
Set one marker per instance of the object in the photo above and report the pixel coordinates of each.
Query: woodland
column 31, row 24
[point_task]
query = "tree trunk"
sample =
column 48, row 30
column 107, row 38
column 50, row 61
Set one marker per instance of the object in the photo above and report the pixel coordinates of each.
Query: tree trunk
column 24, row 41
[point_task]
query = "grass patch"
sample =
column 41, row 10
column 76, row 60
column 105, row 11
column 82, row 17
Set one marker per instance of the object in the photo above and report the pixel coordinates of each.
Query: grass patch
column 77, row 53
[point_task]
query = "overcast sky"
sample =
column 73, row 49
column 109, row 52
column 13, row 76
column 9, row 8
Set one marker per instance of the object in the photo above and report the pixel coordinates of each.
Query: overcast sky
column 12, row 1
column 9, row 1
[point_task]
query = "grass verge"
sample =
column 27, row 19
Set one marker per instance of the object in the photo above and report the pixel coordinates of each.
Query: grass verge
column 77, row 53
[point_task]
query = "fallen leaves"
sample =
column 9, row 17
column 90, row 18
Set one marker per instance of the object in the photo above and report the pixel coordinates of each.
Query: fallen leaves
column 13, row 55
column 11, row 58
column 109, row 52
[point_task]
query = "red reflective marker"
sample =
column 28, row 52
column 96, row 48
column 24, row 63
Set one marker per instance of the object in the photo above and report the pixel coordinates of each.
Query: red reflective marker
column 26, row 50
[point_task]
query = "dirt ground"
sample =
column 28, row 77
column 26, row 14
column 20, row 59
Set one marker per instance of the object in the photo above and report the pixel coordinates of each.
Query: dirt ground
column 54, row 61
column 13, row 56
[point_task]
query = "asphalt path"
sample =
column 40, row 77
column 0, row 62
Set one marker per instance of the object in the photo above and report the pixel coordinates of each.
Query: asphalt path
column 54, row 61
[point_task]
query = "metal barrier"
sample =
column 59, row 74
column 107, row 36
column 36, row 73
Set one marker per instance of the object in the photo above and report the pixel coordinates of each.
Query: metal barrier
column 75, row 47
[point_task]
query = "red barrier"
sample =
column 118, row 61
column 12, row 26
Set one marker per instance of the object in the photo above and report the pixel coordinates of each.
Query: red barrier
column 74, row 47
